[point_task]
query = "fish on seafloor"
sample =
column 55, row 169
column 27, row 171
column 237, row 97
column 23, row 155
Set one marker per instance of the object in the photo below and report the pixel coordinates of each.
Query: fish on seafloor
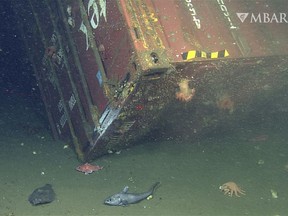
column 88, row 168
column 124, row 198
column 42, row 195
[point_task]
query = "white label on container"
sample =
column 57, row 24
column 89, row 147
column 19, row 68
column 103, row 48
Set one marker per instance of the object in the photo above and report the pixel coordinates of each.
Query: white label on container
column 72, row 102
column 97, row 12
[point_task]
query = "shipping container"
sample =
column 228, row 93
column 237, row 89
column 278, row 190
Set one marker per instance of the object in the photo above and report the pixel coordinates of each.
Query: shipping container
column 110, row 71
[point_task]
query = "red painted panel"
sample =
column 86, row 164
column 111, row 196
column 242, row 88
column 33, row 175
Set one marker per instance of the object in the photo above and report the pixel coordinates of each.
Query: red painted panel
column 208, row 26
column 113, row 39
column 87, row 59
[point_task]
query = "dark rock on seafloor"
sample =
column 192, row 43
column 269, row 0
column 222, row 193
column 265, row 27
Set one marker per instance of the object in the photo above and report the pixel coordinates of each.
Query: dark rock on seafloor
column 42, row 195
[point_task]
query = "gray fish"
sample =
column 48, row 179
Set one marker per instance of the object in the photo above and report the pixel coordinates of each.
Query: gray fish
column 123, row 198
column 42, row 195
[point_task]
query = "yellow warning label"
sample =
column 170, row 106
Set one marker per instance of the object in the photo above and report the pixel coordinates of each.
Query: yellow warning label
column 201, row 54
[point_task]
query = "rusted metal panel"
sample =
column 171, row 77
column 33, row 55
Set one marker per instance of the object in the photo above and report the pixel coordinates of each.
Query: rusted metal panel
column 228, row 92
column 110, row 70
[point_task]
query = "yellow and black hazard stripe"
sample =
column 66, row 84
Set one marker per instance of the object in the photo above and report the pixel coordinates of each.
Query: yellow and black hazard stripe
column 201, row 54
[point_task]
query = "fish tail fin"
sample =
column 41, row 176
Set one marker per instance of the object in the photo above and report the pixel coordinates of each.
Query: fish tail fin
column 153, row 188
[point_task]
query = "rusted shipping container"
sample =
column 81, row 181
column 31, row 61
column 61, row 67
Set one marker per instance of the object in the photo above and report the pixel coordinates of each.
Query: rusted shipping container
column 109, row 71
